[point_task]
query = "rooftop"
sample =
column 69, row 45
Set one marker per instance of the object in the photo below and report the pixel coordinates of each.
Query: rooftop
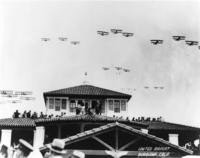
column 87, row 90
column 162, row 125
column 16, row 122
column 151, row 125
column 28, row 122
column 94, row 131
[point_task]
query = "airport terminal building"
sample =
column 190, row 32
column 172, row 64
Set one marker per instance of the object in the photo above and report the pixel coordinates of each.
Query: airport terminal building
column 88, row 118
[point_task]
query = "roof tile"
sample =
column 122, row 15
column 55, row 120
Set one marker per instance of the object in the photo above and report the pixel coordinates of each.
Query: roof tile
column 92, row 118
column 17, row 122
column 161, row 125
column 87, row 90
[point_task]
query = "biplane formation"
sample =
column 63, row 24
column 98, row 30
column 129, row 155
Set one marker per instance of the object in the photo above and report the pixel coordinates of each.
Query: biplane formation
column 152, row 41
column 118, row 68
column 63, row 39
column 15, row 96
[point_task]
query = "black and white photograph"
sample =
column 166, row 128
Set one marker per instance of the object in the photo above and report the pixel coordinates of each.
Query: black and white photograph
column 99, row 78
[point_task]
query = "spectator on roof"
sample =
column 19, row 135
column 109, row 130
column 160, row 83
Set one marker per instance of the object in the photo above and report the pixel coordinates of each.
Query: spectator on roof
column 24, row 115
column 16, row 114
column 34, row 116
column 28, row 114
column 41, row 115
column 78, row 110
column 127, row 118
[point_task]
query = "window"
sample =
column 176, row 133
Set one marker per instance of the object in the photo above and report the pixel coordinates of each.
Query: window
column 57, row 105
column 110, row 105
column 123, row 105
column 51, row 103
column 116, row 106
column 72, row 106
column 64, row 105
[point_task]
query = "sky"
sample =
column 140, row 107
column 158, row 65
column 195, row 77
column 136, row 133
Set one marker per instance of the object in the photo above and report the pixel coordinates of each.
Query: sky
column 27, row 63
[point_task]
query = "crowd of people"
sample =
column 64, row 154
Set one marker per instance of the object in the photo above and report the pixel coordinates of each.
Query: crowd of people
column 56, row 149
column 79, row 111
column 141, row 119
column 34, row 115
column 25, row 150
column 147, row 119
column 94, row 110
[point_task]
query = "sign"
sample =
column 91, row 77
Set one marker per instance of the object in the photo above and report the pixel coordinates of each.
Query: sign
column 154, row 151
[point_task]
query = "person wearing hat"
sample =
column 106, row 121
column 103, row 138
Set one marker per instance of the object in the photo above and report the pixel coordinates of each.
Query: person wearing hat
column 57, row 148
column 75, row 154
column 4, row 151
column 27, row 150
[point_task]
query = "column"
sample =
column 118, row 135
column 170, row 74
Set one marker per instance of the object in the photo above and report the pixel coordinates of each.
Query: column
column 6, row 135
column 47, row 105
column 106, row 107
column 173, row 138
column 39, row 136
column 67, row 107
column 199, row 143
column 76, row 101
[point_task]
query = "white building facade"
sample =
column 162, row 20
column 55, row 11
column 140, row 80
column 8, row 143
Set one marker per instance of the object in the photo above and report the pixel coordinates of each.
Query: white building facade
column 77, row 100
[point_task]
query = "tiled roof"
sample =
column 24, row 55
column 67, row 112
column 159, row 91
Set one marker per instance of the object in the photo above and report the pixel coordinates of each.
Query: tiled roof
column 153, row 125
column 27, row 122
column 90, row 118
column 94, row 131
column 17, row 122
column 161, row 125
column 87, row 90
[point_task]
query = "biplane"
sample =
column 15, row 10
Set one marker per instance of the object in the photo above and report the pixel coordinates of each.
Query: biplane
column 178, row 38
column 62, row 38
column 191, row 43
column 156, row 41
column 102, row 33
column 116, row 31
column 45, row 39
column 75, row 42
column 127, row 34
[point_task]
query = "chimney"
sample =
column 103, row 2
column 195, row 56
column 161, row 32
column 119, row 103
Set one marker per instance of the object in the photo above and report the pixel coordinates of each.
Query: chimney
column 173, row 138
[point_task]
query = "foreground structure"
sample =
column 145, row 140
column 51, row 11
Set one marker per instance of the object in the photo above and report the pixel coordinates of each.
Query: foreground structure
column 83, row 117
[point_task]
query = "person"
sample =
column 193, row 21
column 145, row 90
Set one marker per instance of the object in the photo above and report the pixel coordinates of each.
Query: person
column 24, row 115
column 4, row 151
column 16, row 114
column 56, row 148
column 21, row 150
column 78, row 110
column 82, row 109
column 97, row 109
column 35, row 154
column 41, row 115
column 28, row 114
column 75, row 154
column 26, row 150
column 35, row 115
